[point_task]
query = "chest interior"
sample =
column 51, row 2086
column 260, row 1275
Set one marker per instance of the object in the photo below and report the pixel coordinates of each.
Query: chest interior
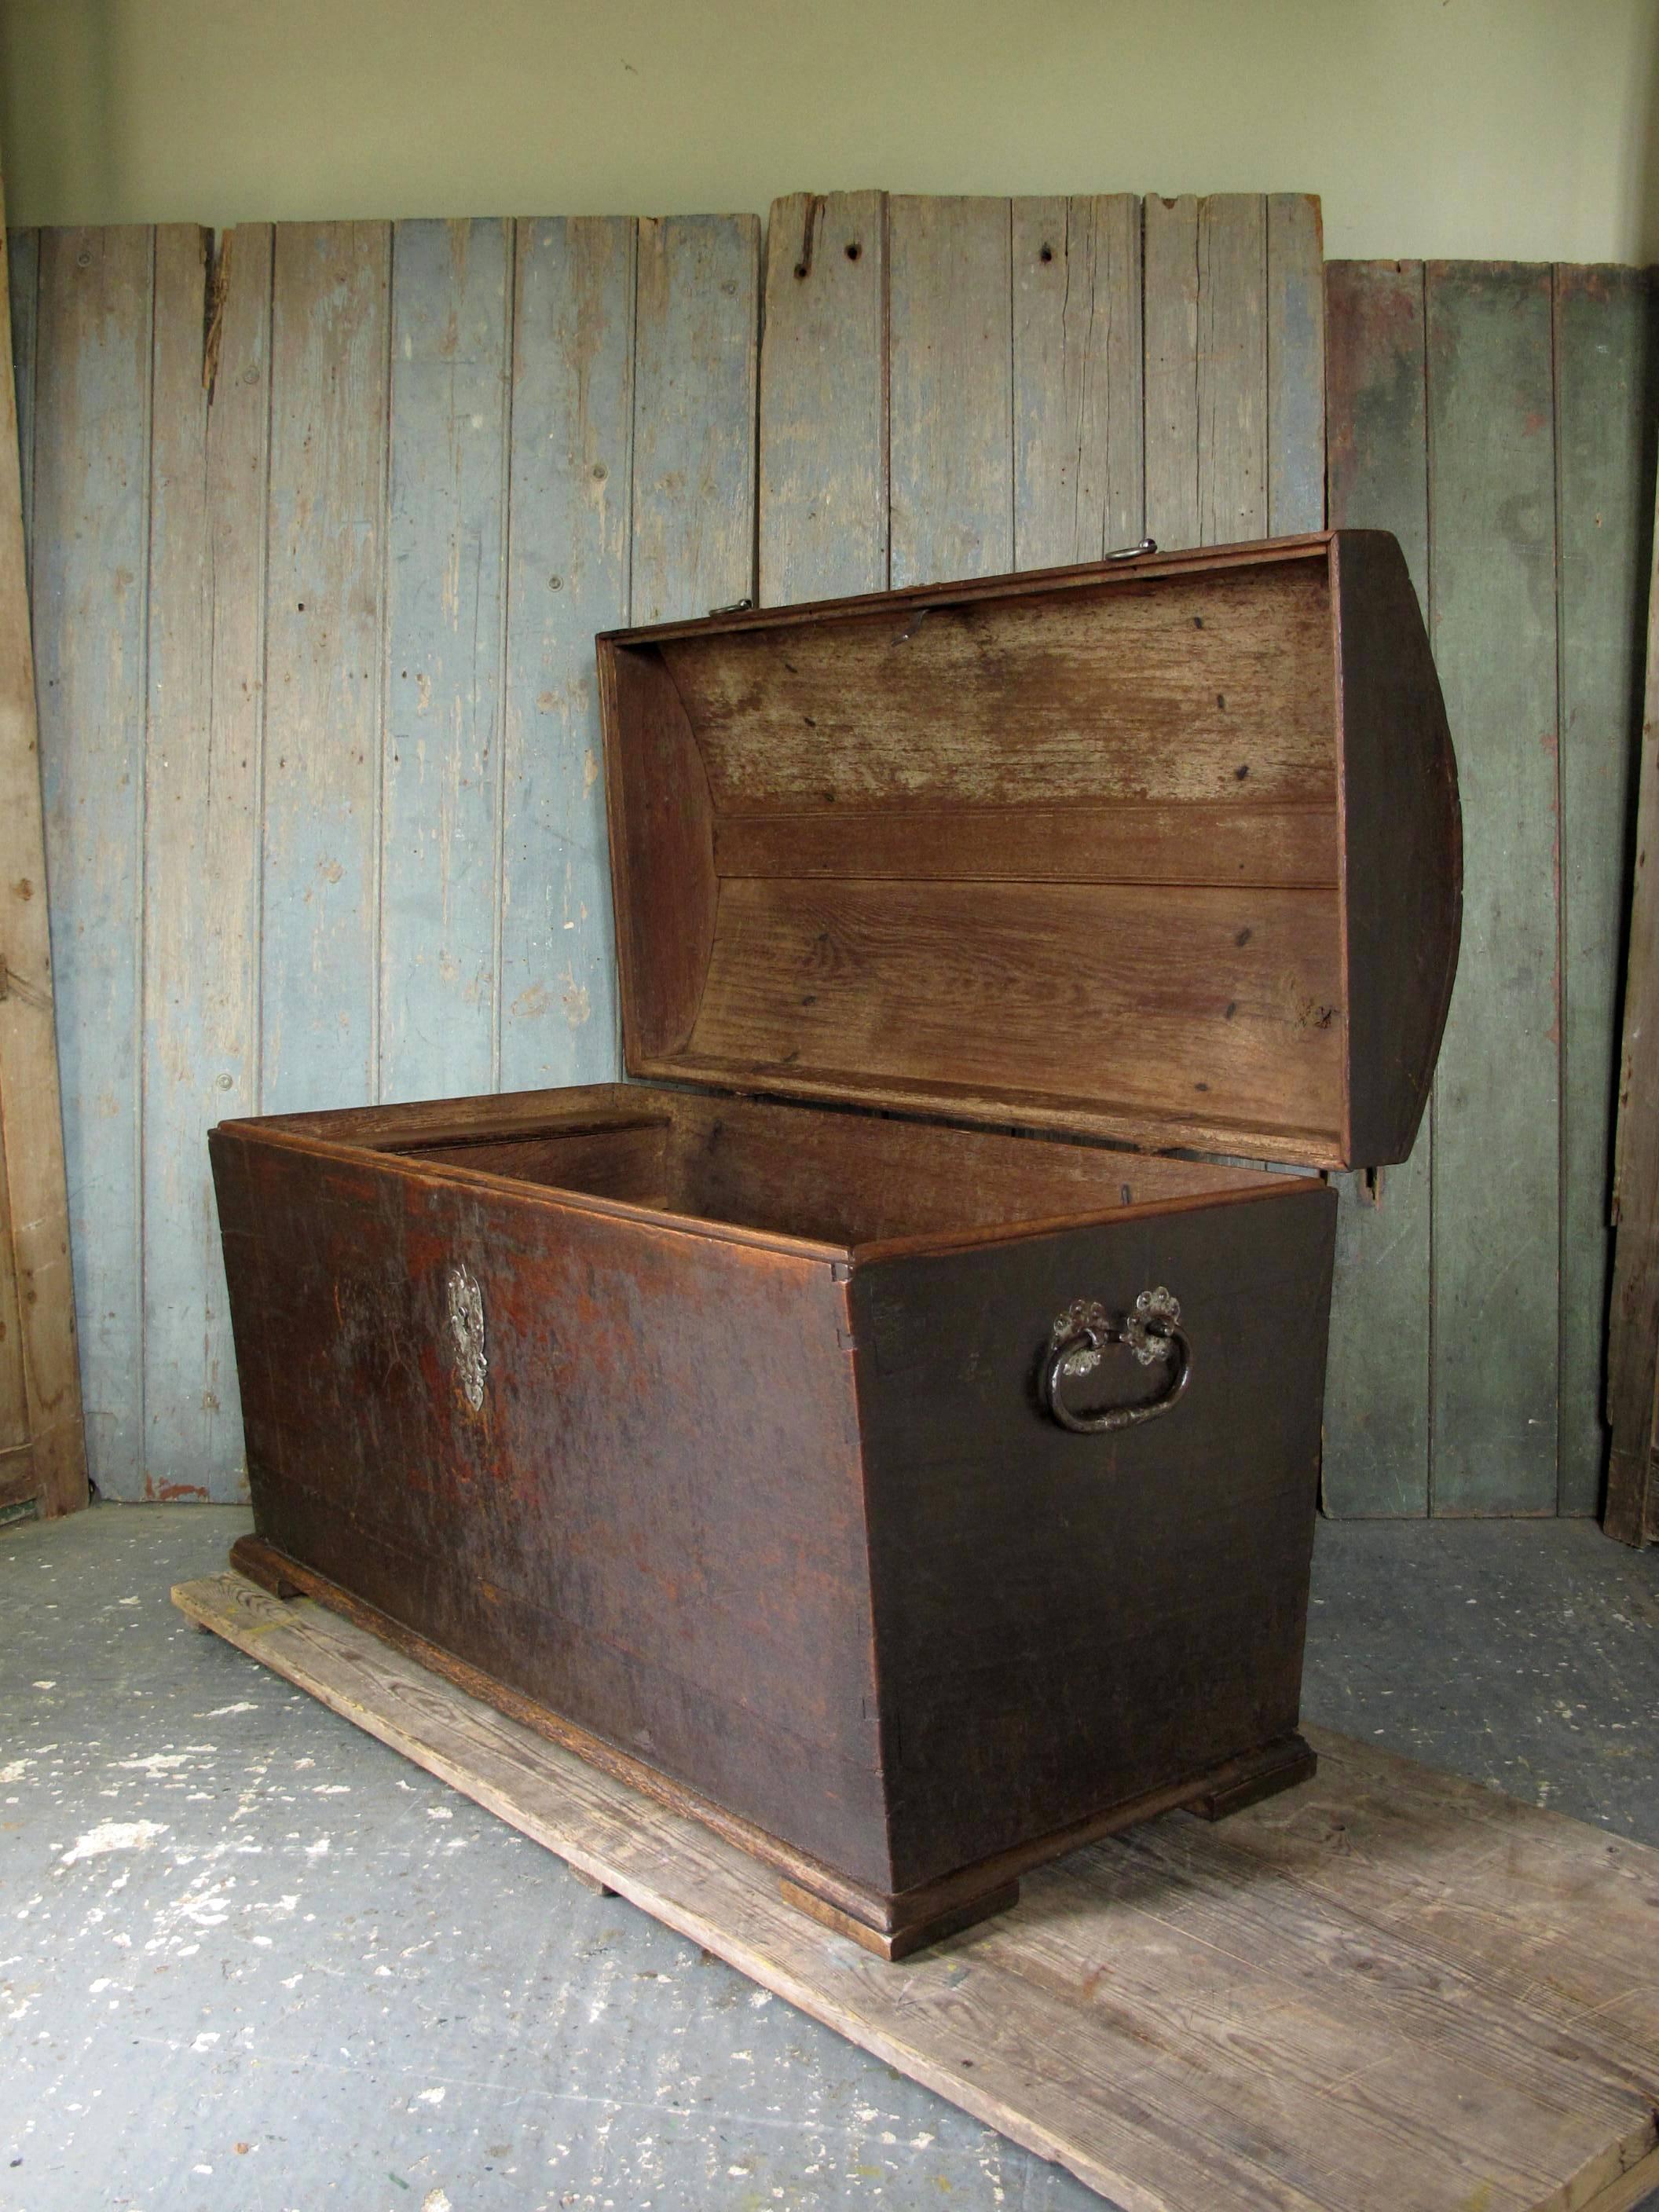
column 1065, row 857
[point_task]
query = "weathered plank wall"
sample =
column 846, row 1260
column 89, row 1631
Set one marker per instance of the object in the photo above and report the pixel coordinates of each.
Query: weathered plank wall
column 317, row 707
column 321, row 533
column 1500, row 419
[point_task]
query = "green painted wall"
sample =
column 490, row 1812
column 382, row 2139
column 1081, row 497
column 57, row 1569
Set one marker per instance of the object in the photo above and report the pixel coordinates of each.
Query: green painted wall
column 1520, row 128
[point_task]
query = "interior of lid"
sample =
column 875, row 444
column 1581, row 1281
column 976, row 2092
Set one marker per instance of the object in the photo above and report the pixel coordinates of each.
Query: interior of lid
column 1066, row 858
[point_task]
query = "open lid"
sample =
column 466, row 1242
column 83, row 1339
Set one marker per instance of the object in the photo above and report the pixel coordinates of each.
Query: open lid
column 1167, row 853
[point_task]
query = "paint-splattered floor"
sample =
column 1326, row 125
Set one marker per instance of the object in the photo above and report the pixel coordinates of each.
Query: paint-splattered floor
column 250, row 1960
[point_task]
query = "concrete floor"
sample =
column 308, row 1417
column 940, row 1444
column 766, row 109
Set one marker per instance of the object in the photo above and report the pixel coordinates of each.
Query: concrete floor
column 250, row 1960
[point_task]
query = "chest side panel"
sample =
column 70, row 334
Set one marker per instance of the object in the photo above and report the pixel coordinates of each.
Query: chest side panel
column 614, row 1466
column 1066, row 1621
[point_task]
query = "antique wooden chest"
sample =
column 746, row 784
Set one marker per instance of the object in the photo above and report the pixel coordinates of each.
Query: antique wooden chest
column 876, row 1427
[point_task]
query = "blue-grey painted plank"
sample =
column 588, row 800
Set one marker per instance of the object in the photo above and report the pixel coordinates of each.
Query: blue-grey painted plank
column 572, row 432
column 951, row 393
column 1606, row 360
column 324, row 666
column 824, row 398
column 445, row 581
column 204, row 739
column 1497, row 1099
column 695, row 393
column 91, row 485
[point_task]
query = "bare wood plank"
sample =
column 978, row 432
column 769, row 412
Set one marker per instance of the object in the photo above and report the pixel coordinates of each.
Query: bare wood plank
column 40, row 1424
column 695, row 395
column 445, row 608
column 324, row 670
column 571, row 464
column 1296, row 364
column 1170, row 322
column 1233, row 368
column 23, row 278
column 1496, row 1227
column 1126, row 843
column 1376, row 1390
column 202, row 764
column 952, row 389
column 1631, row 1512
column 92, row 440
column 1606, row 372
column 1080, row 485
column 824, row 398
column 1184, row 2017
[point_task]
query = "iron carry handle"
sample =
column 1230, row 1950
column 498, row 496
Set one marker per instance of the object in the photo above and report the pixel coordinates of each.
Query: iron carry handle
column 1086, row 1331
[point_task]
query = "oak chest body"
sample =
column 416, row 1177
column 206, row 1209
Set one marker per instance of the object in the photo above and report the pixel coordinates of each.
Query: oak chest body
column 877, row 1427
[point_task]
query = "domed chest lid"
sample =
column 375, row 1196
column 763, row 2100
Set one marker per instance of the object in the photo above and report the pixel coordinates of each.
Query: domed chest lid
column 1166, row 853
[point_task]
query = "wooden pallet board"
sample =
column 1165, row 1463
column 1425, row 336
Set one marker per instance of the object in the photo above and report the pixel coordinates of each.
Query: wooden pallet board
column 1390, row 1991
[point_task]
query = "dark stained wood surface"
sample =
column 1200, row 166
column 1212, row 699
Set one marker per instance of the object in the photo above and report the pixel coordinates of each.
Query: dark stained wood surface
column 1061, row 1616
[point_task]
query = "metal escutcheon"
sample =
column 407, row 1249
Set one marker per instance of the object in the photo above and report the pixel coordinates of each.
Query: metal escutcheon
column 1086, row 1331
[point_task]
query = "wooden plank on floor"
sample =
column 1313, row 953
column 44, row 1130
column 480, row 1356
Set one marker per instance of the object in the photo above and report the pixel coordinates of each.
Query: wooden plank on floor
column 1287, row 2012
column 1233, row 368
column 824, row 398
column 444, row 613
column 90, row 497
column 696, row 373
column 568, row 535
column 42, row 1444
column 1376, row 1390
column 202, row 764
column 1496, row 1126
column 330, row 330
column 1079, row 476
column 952, row 395
column 1606, row 380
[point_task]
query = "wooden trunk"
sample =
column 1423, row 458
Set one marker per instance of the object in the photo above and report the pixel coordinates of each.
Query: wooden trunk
column 874, row 1429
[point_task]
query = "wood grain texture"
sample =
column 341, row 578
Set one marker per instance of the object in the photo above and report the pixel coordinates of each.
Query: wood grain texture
column 951, row 396
column 1493, row 616
column 695, row 370
column 1232, row 368
column 445, row 611
column 203, row 764
column 1376, row 1393
column 1607, row 378
column 1311, row 2006
column 42, row 1442
column 326, row 594
column 1296, row 364
column 1170, row 315
column 824, row 505
column 91, row 530
column 1079, row 478
column 572, row 460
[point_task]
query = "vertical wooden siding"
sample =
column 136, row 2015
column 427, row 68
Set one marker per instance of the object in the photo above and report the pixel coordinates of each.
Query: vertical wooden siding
column 317, row 706
column 1500, row 420
column 322, row 524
